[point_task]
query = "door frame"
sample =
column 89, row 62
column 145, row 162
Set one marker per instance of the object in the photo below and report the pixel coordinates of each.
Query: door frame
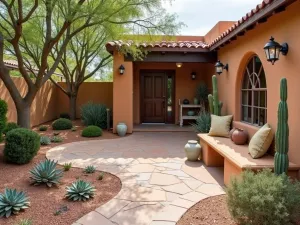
column 167, row 73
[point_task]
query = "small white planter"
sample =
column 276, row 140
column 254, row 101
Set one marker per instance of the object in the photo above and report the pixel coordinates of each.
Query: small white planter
column 121, row 129
column 192, row 150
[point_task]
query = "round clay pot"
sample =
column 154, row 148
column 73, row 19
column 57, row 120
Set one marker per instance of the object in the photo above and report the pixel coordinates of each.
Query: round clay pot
column 192, row 150
column 186, row 102
column 239, row 136
column 121, row 129
column 230, row 133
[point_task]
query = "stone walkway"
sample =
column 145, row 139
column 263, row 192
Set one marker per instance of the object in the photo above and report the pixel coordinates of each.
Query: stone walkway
column 158, row 184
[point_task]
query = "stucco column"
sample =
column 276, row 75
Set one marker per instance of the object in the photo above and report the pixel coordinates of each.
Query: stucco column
column 122, row 93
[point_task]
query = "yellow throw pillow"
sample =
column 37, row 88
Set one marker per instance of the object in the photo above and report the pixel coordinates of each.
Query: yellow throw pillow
column 220, row 126
column 261, row 142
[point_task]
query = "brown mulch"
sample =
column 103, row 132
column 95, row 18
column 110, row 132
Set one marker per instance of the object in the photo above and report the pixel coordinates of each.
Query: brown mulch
column 209, row 211
column 46, row 201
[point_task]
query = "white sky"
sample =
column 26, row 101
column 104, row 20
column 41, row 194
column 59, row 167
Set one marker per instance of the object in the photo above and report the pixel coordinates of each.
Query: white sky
column 201, row 15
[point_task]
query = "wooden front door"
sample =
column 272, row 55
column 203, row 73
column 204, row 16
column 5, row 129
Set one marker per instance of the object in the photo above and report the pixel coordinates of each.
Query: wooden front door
column 153, row 97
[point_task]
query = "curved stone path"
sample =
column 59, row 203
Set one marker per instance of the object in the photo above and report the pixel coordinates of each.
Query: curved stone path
column 158, row 184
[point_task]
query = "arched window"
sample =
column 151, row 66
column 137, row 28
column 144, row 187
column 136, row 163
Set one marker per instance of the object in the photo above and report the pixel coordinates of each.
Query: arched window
column 254, row 93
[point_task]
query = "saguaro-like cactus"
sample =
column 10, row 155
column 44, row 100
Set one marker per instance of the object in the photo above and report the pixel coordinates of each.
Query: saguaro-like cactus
column 215, row 105
column 282, row 133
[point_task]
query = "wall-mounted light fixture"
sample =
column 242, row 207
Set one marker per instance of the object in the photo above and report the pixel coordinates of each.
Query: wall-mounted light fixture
column 193, row 75
column 121, row 70
column 179, row 65
column 220, row 66
column 273, row 49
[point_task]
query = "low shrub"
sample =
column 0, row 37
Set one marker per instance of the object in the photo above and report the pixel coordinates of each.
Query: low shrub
column 56, row 139
column 263, row 198
column 100, row 176
column 21, row 145
column 43, row 128
column 67, row 166
column 94, row 114
column 65, row 115
column 203, row 123
column 91, row 131
column 3, row 118
column 74, row 129
column 10, row 126
column 45, row 140
column 62, row 124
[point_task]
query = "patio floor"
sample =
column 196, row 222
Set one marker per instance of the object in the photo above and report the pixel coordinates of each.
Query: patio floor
column 158, row 184
column 161, row 128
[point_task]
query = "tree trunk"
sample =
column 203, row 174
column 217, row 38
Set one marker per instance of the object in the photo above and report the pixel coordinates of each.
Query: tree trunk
column 73, row 99
column 23, row 111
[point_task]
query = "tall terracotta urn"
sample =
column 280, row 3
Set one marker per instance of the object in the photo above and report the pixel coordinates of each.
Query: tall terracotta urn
column 121, row 129
column 239, row 136
column 192, row 150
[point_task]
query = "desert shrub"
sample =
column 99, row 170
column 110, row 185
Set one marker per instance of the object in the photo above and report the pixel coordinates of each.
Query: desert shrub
column 21, row 145
column 94, row 114
column 67, row 166
column 91, row 131
column 80, row 191
column 74, row 129
column 65, row 115
column 263, row 199
column 43, row 128
column 24, row 222
column 45, row 140
column 56, row 139
column 3, row 118
column 62, row 124
column 100, row 176
column 10, row 126
column 203, row 122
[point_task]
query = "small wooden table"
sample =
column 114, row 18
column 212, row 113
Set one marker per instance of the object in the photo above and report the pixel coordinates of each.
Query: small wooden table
column 185, row 117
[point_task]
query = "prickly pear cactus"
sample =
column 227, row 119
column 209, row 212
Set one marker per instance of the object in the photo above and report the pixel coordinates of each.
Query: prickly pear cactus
column 282, row 133
column 215, row 105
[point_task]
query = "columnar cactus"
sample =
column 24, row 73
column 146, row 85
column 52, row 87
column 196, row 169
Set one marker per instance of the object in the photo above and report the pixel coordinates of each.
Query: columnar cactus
column 282, row 133
column 215, row 105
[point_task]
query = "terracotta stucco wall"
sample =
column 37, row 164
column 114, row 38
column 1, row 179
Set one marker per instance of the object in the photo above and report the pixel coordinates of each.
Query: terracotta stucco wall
column 43, row 107
column 285, row 28
column 97, row 92
column 185, row 87
column 217, row 30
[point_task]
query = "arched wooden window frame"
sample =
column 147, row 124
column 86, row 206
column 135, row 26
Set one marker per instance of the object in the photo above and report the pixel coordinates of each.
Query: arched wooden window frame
column 254, row 93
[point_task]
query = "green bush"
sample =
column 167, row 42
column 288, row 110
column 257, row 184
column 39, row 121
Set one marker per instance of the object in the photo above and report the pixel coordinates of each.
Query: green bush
column 21, row 145
column 94, row 114
column 3, row 118
column 43, row 128
column 62, row 124
column 10, row 126
column 91, row 131
column 45, row 140
column 263, row 199
column 65, row 115
column 56, row 139
column 203, row 123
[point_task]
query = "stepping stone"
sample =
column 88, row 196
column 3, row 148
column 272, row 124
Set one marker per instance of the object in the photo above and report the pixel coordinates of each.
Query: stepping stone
column 172, row 196
column 94, row 218
column 141, row 168
column 141, row 194
column 112, row 207
column 177, row 188
column 211, row 189
column 194, row 196
column 163, row 179
column 170, row 213
column 183, row 203
column 193, row 183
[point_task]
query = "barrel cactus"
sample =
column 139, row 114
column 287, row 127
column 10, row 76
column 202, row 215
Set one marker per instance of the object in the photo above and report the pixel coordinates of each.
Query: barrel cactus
column 282, row 133
column 215, row 105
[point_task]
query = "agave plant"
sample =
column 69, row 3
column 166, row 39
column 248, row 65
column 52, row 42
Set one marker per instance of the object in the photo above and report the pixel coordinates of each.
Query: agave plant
column 90, row 169
column 80, row 191
column 12, row 202
column 203, row 123
column 46, row 172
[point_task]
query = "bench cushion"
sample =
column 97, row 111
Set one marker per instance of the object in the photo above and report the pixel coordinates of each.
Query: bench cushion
column 239, row 155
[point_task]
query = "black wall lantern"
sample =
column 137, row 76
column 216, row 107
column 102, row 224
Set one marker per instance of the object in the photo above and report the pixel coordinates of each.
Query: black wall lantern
column 273, row 49
column 121, row 69
column 220, row 66
column 193, row 75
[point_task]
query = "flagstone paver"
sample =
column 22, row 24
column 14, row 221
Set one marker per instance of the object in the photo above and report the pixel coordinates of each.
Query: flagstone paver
column 158, row 184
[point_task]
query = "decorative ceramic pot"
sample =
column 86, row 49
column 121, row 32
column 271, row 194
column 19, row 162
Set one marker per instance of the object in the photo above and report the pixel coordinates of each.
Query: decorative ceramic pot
column 196, row 101
column 191, row 113
column 230, row 133
column 186, row 102
column 121, row 129
column 239, row 136
column 192, row 150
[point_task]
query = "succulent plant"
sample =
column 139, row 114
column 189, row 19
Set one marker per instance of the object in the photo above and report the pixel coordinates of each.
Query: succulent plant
column 12, row 202
column 56, row 139
column 80, row 191
column 90, row 169
column 46, row 173
column 24, row 222
column 43, row 128
column 67, row 166
column 101, row 176
column 45, row 140
column 215, row 106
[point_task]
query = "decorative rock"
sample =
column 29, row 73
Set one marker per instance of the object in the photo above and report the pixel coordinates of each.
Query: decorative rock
column 192, row 150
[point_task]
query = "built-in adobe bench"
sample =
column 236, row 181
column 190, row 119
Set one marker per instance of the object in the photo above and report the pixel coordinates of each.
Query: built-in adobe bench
column 220, row 151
